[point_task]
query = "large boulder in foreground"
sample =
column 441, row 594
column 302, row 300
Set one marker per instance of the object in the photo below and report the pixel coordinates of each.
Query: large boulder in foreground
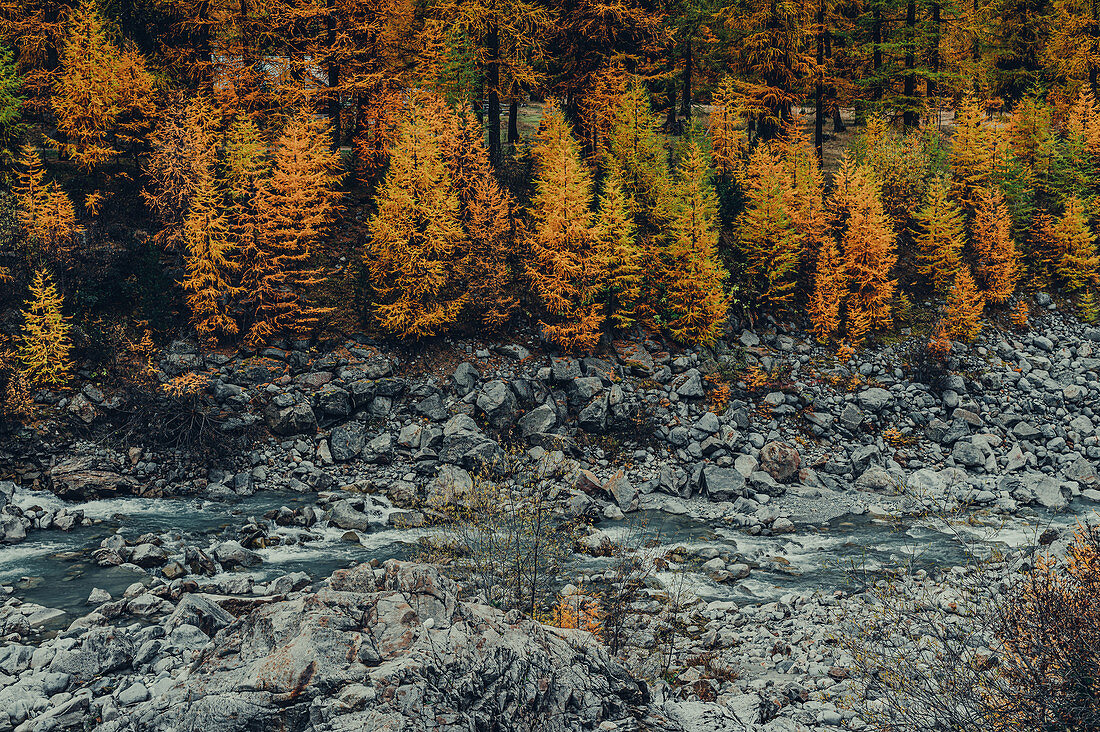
column 393, row 649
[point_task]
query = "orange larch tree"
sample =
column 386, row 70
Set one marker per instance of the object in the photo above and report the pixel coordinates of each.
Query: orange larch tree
column 867, row 243
column 295, row 207
column 1078, row 264
column 695, row 302
column 568, row 269
column 416, row 235
column 998, row 262
column 104, row 97
column 44, row 345
column 973, row 161
column 828, row 291
column 766, row 230
column 182, row 154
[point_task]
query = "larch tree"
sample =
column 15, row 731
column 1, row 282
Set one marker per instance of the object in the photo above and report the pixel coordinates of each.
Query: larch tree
column 488, row 216
column 941, row 236
column 104, row 97
column 182, row 154
column 416, row 236
column 295, row 207
column 637, row 154
column 626, row 275
column 867, row 245
column 695, row 301
column 44, row 345
column 963, row 312
column 45, row 212
column 766, row 230
column 245, row 169
column 972, row 155
column 724, row 126
column 829, row 288
column 567, row 268
column 210, row 263
column 998, row 262
column 1078, row 264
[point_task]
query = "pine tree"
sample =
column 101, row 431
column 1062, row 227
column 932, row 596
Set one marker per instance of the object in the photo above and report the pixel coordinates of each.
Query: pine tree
column 295, row 207
column 767, row 234
column 828, row 292
column 964, row 308
column 45, row 212
column 104, row 96
column 1078, row 264
column 567, row 270
column 942, row 236
column 210, row 263
column 695, row 301
column 637, row 154
column 43, row 347
column 972, row 161
column 867, row 243
column 998, row 262
column 416, row 236
column 617, row 234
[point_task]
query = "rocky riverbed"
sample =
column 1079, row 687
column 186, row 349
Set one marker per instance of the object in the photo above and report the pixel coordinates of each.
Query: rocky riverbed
column 150, row 589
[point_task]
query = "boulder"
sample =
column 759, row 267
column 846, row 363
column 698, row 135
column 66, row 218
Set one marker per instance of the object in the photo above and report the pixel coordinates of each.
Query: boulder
column 89, row 476
column 287, row 415
column 200, row 612
column 723, row 484
column 347, row 441
column 345, row 516
column 230, row 554
column 376, row 652
column 540, row 419
column 621, row 490
column 780, row 460
column 875, row 399
column 498, row 402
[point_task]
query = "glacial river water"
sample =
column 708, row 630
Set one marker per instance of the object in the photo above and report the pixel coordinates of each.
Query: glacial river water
column 55, row 568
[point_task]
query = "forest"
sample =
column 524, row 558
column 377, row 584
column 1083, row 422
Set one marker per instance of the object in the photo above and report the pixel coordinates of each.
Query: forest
column 249, row 172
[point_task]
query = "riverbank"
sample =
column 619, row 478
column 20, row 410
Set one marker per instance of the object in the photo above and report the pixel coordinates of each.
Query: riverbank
column 769, row 475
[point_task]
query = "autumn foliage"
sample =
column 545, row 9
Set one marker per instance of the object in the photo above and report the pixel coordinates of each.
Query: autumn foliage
column 44, row 345
column 45, row 212
column 998, row 262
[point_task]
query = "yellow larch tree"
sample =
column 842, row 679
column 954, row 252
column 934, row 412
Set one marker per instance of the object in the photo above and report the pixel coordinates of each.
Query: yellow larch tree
column 725, row 127
column 941, row 236
column 972, row 155
column 638, row 155
column 998, row 262
column 696, row 304
column 44, row 345
column 245, row 169
column 45, row 212
column 416, row 236
column 488, row 216
column 1078, row 264
column 567, row 268
column 617, row 233
column 295, row 208
column 210, row 263
column 828, row 291
column 766, row 231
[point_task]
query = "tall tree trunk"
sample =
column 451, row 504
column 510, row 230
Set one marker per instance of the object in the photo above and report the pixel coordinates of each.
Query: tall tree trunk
column 689, row 68
column 333, row 75
column 819, row 87
column 492, row 82
column 513, row 116
column 876, row 48
column 909, row 117
column 934, row 51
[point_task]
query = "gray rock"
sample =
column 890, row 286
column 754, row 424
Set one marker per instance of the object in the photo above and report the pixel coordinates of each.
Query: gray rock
column 498, row 403
column 347, row 441
column 622, row 490
column 465, row 378
column 100, row 651
column 148, row 556
column 690, row 386
column 540, row 419
column 230, row 554
column 133, row 694
column 345, row 516
column 968, row 454
column 875, row 399
column 723, row 484
column 288, row 416
column 199, row 612
column 1081, row 470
